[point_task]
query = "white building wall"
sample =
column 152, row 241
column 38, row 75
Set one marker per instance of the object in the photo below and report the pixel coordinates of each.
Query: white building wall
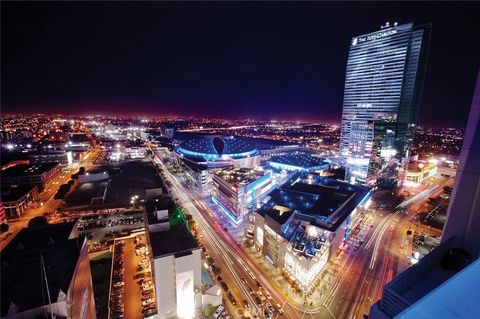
column 188, row 278
column 164, row 272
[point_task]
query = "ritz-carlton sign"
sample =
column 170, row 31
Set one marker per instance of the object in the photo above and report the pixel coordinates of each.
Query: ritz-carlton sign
column 374, row 36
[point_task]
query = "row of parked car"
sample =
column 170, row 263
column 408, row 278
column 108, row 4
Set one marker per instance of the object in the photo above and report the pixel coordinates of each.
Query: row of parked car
column 116, row 297
column 109, row 223
column 145, row 278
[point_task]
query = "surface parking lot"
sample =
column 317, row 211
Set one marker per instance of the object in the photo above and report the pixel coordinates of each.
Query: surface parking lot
column 132, row 291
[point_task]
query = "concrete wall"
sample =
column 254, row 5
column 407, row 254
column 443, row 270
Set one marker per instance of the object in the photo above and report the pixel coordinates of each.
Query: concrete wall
column 164, row 273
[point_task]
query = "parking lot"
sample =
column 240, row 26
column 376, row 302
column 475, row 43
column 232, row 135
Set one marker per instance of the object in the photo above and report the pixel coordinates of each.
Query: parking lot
column 134, row 296
column 102, row 226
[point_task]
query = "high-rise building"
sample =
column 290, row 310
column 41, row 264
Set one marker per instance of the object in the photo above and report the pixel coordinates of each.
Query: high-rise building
column 383, row 85
column 46, row 273
column 443, row 284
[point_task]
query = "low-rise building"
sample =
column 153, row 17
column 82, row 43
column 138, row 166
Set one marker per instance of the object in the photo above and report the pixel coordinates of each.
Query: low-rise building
column 58, row 156
column 299, row 163
column 198, row 173
column 176, row 260
column 418, row 171
column 16, row 199
column 236, row 190
column 136, row 152
column 304, row 222
column 30, row 174
column 46, row 273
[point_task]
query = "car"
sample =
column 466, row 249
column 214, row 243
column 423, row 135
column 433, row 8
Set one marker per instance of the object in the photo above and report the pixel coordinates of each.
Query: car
column 258, row 301
column 118, row 284
column 261, row 296
column 224, row 285
column 270, row 308
column 250, row 290
column 149, row 311
column 243, row 280
column 232, row 299
column 148, row 307
column 138, row 276
column 245, row 303
column 259, row 285
column 267, row 294
column 148, row 301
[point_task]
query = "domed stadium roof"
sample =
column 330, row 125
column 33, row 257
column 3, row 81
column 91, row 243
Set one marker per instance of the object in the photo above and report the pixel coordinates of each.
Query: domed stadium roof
column 211, row 148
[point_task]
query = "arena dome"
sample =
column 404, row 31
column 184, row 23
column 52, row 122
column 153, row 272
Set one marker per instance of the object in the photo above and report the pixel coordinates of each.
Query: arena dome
column 217, row 148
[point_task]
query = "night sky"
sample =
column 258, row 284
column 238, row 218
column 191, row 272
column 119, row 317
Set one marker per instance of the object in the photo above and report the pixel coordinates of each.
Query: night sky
column 268, row 60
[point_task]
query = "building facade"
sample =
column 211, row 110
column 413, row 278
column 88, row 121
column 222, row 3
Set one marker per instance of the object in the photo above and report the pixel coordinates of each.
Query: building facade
column 383, row 85
column 62, row 157
column 176, row 261
column 418, row 171
column 444, row 283
column 17, row 199
column 236, row 190
column 35, row 174
column 63, row 256
column 304, row 222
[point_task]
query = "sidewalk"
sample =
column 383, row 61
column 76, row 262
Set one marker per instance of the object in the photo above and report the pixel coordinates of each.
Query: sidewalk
column 313, row 299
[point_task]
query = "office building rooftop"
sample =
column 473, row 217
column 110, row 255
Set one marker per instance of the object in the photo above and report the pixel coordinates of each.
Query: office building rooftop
column 28, row 170
column 323, row 201
column 14, row 193
column 238, row 176
column 176, row 241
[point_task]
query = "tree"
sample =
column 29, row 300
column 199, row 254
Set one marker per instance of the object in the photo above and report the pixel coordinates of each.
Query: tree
column 216, row 270
column 210, row 261
column 209, row 310
column 4, row 228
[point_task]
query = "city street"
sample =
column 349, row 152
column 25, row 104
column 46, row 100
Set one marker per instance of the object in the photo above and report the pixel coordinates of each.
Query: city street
column 351, row 282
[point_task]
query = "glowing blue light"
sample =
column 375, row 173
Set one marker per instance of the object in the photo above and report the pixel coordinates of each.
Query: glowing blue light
column 226, row 211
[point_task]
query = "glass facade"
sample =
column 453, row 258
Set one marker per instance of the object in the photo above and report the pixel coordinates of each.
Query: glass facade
column 383, row 85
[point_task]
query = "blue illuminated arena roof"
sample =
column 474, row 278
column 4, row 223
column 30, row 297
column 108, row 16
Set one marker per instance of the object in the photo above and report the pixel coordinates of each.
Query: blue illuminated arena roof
column 213, row 148
column 299, row 162
column 322, row 201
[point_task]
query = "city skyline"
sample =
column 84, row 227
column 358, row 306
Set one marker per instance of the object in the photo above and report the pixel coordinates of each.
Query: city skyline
column 239, row 160
column 57, row 62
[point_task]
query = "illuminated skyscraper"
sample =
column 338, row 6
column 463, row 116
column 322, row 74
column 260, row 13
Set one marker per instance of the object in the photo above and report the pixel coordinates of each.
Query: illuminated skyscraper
column 383, row 85
column 444, row 283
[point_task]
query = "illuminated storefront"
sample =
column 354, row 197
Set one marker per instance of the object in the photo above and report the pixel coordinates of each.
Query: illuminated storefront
column 306, row 221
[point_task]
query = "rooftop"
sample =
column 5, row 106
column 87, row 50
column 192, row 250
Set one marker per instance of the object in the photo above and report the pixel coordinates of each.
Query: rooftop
column 215, row 146
column 418, row 166
column 323, row 202
column 28, row 169
column 12, row 194
column 442, row 303
column 158, row 204
column 176, row 241
column 239, row 176
column 434, row 270
column 305, row 161
column 21, row 265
